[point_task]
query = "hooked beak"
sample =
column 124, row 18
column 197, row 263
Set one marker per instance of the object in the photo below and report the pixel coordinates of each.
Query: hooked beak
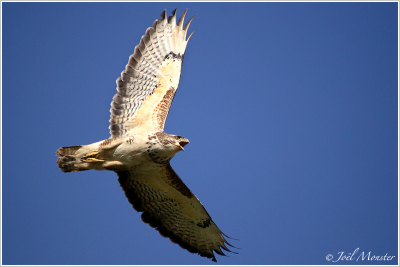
column 183, row 143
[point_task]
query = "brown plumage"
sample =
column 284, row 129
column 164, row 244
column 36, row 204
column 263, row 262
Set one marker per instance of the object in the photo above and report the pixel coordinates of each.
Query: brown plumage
column 139, row 150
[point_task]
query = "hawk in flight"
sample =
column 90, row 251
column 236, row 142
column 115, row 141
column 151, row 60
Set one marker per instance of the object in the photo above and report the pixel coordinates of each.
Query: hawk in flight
column 139, row 150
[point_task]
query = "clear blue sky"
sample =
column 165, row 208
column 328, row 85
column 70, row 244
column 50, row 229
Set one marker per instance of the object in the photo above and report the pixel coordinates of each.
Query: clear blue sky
column 291, row 110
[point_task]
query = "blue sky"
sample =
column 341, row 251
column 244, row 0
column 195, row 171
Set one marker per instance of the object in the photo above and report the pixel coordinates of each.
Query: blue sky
column 291, row 110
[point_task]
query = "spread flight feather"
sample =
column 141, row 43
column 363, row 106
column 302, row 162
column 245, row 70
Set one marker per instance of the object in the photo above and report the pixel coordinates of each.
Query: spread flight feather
column 139, row 150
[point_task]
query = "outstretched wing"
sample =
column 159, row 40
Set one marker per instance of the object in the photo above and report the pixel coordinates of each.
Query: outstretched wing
column 170, row 207
column 148, row 84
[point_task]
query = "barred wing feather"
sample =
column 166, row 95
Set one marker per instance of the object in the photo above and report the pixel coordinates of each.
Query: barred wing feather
column 169, row 206
column 139, row 150
column 148, row 84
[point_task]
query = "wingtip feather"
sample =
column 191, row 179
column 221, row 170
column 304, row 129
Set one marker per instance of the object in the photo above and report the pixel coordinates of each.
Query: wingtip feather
column 181, row 19
column 188, row 23
column 190, row 35
column 172, row 19
column 164, row 14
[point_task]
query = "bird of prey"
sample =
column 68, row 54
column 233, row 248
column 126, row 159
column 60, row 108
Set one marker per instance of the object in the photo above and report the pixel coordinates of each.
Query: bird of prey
column 139, row 150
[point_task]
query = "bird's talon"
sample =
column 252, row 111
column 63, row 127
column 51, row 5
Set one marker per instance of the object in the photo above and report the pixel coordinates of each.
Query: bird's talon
column 91, row 157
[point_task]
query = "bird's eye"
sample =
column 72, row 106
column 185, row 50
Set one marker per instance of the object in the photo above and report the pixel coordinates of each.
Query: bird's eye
column 177, row 137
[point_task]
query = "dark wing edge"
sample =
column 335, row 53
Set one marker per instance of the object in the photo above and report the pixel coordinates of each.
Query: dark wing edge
column 168, row 217
column 141, row 75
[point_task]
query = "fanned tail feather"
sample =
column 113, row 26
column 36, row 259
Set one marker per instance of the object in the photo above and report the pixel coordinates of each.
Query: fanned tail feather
column 79, row 158
column 67, row 159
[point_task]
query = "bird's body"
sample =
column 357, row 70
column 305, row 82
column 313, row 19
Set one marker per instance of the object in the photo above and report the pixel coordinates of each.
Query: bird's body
column 121, row 153
column 139, row 150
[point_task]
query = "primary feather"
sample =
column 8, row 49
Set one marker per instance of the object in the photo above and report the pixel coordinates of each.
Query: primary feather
column 139, row 150
column 163, row 42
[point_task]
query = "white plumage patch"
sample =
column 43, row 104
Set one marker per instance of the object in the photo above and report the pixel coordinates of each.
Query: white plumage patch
column 152, row 70
column 139, row 150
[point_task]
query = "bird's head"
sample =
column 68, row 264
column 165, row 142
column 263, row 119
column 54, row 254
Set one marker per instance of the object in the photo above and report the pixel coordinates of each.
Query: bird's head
column 180, row 141
column 171, row 143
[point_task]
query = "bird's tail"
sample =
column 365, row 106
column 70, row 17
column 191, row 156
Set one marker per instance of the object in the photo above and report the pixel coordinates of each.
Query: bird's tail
column 67, row 160
column 78, row 158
